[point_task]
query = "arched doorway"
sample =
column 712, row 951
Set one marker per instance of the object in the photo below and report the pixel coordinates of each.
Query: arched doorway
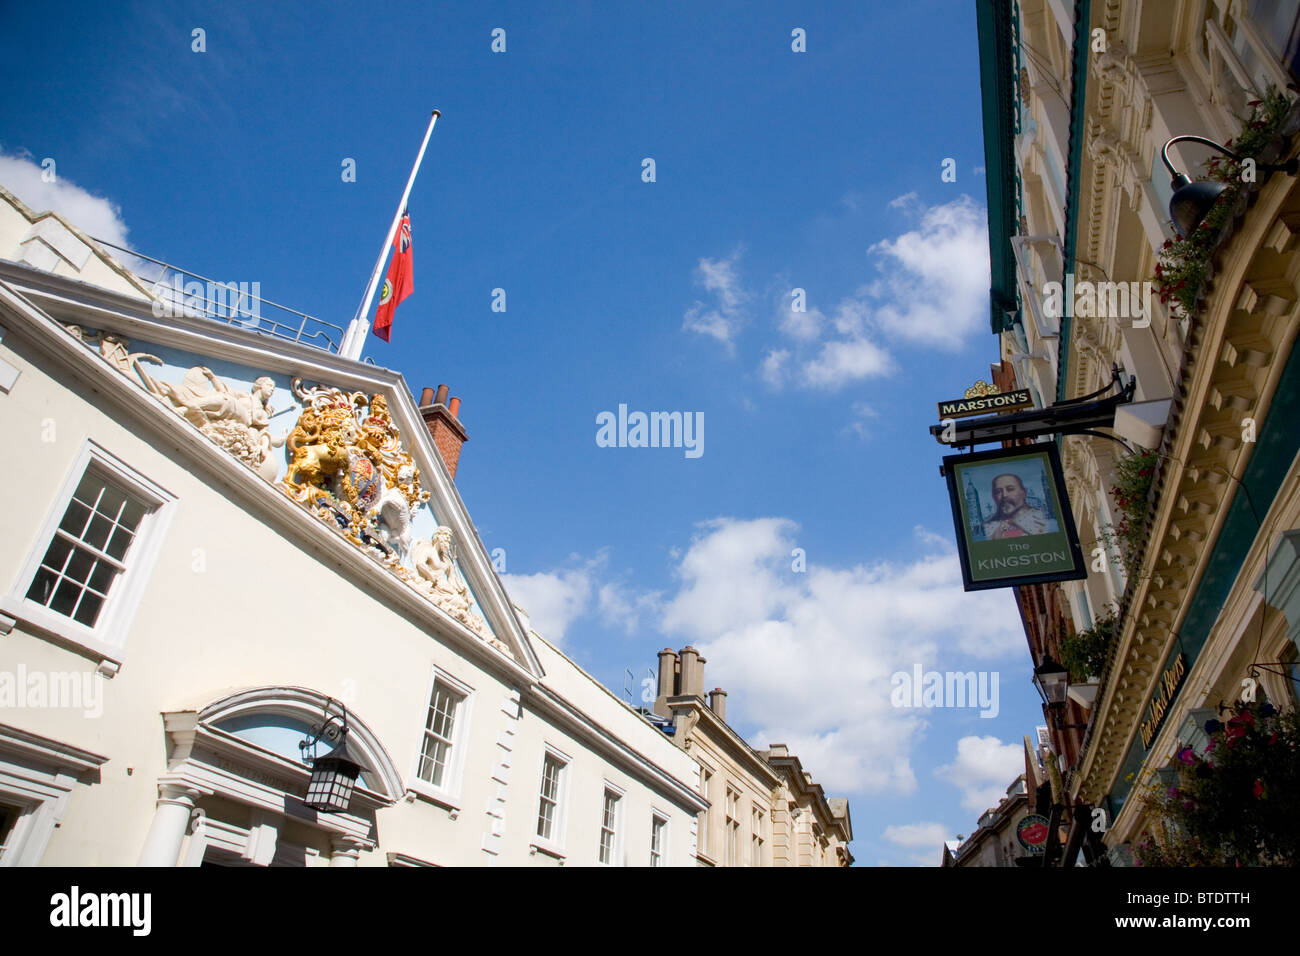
column 236, row 782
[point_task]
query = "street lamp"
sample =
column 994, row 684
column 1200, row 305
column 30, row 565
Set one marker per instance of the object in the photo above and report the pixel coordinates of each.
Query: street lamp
column 1052, row 681
column 333, row 776
column 1191, row 201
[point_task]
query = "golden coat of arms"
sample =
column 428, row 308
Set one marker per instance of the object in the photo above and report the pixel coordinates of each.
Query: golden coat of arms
column 347, row 462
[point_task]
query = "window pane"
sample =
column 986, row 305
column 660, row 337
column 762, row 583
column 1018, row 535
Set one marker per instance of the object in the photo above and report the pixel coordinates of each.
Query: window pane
column 118, row 544
column 89, row 489
column 75, row 518
column 97, row 534
column 56, row 555
column 111, row 502
column 102, row 577
column 433, row 761
column 42, row 586
column 79, row 566
column 131, row 515
column 88, row 609
column 65, row 598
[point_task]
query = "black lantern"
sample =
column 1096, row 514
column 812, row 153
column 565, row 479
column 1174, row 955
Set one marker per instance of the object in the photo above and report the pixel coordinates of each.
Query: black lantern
column 1191, row 201
column 1052, row 681
column 333, row 776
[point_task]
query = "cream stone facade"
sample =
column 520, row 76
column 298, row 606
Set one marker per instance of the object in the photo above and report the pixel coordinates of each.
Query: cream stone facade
column 1080, row 99
column 765, row 810
column 260, row 569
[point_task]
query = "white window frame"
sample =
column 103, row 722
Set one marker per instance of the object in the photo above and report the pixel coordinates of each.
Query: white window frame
column 731, row 850
column 554, row 845
column 757, row 835
column 38, row 775
column 702, row 847
column 106, row 641
column 659, row 820
column 448, row 794
column 616, row 844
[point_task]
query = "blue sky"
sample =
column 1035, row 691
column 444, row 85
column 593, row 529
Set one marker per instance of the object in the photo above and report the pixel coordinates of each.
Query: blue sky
column 774, row 170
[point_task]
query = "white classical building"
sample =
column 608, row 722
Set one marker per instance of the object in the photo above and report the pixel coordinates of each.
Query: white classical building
column 218, row 531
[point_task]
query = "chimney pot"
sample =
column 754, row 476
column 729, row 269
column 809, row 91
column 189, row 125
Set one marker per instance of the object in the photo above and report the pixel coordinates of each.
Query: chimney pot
column 441, row 397
column 718, row 703
column 426, row 397
column 454, row 408
column 692, row 672
column 667, row 681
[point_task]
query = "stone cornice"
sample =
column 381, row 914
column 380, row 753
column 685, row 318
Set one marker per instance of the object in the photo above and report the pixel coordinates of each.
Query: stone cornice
column 47, row 751
column 721, row 731
column 556, row 708
column 1230, row 371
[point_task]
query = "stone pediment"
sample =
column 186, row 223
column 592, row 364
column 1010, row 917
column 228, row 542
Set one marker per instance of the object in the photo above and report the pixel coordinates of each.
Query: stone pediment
column 341, row 440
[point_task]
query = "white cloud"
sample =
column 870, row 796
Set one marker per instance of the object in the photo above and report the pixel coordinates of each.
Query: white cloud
column 901, row 202
column 983, row 769
column 553, row 599
column 723, row 319
column 935, row 279
column 814, row 651
column 862, row 413
column 624, row 607
column 772, row 370
column 845, row 361
column 917, row 834
column 851, row 318
column 925, row 840
column 805, row 326
column 94, row 215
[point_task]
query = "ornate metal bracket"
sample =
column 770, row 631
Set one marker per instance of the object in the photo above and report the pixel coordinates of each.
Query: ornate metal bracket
column 1076, row 416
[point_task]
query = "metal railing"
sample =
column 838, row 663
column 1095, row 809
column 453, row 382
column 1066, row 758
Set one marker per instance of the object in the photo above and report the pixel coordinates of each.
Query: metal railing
column 181, row 292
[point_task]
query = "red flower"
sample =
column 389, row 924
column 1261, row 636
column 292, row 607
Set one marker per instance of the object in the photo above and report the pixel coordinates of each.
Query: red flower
column 1259, row 789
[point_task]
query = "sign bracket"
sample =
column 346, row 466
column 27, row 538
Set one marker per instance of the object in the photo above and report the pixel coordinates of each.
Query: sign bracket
column 1077, row 416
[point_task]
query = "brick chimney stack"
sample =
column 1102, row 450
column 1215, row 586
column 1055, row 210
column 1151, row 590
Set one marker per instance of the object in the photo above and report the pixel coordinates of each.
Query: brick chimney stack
column 443, row 421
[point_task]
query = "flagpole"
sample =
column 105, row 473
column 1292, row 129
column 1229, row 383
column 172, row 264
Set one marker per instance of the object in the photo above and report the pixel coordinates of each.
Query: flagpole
column 354, row 340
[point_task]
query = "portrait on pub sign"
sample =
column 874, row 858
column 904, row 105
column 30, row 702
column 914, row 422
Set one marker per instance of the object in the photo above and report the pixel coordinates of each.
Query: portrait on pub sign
column 1012, row 517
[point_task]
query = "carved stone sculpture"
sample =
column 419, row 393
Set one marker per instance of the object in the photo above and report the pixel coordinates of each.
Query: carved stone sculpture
column 392, row 513
column 237, row 421
column 435, row 563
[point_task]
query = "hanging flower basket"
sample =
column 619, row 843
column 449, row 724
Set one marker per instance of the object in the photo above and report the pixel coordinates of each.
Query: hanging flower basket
column 1237, row 802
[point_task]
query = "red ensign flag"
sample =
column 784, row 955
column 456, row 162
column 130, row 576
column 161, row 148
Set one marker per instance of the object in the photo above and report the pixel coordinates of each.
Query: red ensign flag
column 398, row 284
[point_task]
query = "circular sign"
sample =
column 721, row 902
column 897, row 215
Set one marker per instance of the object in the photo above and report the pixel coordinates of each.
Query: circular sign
column 1032, row 832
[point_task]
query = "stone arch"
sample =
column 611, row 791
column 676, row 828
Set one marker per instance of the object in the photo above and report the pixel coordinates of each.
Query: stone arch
column 306, row 706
